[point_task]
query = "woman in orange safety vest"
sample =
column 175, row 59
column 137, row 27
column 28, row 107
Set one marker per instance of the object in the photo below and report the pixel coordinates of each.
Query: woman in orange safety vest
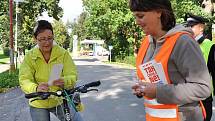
column 173, row 77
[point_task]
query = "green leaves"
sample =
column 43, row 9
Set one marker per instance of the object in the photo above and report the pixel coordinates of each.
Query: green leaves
column 112, row 21
column 181, row 7
column 8, row 80
column 29, row 10
column 4, row 30
column 61, row 34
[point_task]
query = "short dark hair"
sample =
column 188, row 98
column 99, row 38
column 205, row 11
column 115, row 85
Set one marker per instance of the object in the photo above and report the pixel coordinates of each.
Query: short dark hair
column 42, row 25
column 168, row 20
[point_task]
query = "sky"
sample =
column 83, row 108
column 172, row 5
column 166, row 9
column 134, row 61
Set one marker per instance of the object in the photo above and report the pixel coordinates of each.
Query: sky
column 71, row 8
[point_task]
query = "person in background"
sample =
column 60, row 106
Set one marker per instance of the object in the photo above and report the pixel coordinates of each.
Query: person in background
column 173, row 76
column 198, row 25
column 36, row 68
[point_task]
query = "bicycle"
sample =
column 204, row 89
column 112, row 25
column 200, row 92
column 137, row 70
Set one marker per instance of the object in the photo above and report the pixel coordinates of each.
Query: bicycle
column 71, row 98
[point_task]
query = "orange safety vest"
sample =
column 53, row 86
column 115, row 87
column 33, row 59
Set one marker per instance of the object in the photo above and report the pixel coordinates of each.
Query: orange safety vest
column 154, row 110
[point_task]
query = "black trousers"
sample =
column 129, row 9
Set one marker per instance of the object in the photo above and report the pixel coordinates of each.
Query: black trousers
column 208, row 104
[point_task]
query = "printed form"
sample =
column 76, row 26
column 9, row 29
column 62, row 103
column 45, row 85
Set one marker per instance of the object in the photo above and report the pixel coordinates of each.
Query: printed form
column 153, row 72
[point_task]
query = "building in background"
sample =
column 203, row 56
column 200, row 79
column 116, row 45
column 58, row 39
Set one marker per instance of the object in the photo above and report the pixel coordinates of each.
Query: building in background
column 93, row 48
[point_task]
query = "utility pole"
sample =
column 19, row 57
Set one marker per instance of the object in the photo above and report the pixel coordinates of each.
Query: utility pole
column 16, row 35
column 12, row 66
column 16, row 32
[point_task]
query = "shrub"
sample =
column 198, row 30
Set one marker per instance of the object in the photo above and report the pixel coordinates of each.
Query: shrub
column 6, row 51
column 9, row 80
column 128, row 60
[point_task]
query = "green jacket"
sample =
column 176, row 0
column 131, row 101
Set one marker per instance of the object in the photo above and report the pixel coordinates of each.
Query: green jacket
column 35, row 70
column 206, row 47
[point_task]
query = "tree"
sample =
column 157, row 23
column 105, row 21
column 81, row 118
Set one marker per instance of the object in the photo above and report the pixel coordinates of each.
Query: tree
column 113, row 22
column 4, row 31
column 4, row 23
column 78, row 27
column 208, row 7
column 61, row 34
column 29, row 11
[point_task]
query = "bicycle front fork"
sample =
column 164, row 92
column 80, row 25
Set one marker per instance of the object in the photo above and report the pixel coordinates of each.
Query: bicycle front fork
column 67, row 113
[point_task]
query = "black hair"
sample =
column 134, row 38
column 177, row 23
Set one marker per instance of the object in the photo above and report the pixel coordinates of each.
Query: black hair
column 168, row 20
column 42, row 25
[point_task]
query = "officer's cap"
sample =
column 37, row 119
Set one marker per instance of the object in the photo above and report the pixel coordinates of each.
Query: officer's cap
column 192, row 20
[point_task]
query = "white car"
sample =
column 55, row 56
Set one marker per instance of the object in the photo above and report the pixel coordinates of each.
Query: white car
column 104, row 52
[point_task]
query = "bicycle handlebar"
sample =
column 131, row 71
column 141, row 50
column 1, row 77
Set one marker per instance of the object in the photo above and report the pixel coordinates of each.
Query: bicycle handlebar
column 81, row 89
column 93, row 84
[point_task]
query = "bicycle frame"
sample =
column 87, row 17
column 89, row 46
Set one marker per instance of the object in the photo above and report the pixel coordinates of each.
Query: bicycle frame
column 70, row 110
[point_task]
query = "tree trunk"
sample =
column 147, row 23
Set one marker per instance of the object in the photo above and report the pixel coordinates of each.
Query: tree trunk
column 208, row 7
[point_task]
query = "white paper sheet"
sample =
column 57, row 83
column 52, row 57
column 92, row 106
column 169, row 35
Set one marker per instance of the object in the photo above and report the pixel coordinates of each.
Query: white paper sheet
column 55, row 73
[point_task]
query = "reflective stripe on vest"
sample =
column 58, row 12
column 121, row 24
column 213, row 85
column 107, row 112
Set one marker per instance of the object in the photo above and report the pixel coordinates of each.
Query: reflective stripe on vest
column 151, row 101
column 154, row 110
column 161, row 113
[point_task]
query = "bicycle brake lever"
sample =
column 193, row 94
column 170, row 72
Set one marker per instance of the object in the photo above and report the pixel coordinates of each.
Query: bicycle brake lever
column 92, row 90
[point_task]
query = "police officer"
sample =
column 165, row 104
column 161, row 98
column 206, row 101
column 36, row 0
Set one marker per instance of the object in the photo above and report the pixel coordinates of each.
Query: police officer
column 198, row 25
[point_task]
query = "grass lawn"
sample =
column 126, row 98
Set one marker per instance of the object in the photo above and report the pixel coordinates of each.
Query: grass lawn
column 4, row 59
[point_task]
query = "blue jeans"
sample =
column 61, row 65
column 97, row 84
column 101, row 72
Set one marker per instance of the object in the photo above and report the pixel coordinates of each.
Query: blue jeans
column 43, row 114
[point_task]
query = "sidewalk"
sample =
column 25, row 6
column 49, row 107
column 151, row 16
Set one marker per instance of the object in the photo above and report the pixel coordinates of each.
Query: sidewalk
column 4, row 67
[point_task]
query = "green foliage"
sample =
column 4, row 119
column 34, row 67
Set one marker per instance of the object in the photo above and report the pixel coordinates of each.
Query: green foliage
column 128, row 60
column 112, row 21
column 4, row 31
column 79, row 28
column 4, row 58
column 9, row 80
column 181, row 7
column 6, row 51
column 61, row 34
column 29, row 10
column 4, row 5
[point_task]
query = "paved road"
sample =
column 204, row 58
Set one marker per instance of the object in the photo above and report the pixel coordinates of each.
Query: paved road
column 113, row 102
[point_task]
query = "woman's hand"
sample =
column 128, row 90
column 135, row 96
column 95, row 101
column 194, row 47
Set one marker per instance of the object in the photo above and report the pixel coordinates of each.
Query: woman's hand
column 149, row 89
column 43, row 87
column 59, row 83
column 137, row 90
column 145, row 89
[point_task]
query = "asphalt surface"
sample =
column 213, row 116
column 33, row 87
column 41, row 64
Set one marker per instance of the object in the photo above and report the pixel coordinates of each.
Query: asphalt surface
column 113, row 102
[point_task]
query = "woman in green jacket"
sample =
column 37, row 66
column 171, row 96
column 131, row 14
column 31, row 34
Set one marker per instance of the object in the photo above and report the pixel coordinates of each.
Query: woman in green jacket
column 36, row 69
